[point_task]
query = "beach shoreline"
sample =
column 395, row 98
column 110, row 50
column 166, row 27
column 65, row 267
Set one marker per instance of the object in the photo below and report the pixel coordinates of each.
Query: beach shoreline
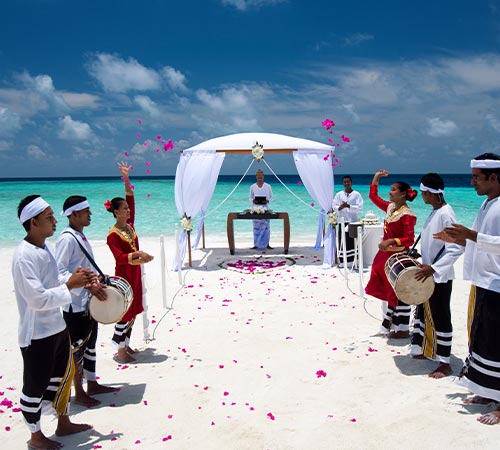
column 278, row 359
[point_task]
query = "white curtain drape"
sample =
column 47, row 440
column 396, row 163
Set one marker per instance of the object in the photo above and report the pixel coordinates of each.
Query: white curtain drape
column 195, row 181
column 317, row 175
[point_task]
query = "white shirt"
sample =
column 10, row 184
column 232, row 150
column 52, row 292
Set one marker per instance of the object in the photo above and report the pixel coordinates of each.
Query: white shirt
column 430, row 247
column 482, row 258
column 40, row 293
column 355, row 202
column 264, row 191
column 69, row 257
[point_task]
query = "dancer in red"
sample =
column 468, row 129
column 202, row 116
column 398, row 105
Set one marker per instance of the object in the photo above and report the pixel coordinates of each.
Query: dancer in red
column 399, row 235
column 124, row 244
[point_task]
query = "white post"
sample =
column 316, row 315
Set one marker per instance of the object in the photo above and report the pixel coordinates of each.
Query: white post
column 360, row 264
column 162, row 268
column 178, row 254
column 344, row 250
column 145, row 316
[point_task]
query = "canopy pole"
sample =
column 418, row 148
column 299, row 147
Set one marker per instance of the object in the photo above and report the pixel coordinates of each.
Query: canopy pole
column 189, row 248
column 203, row 235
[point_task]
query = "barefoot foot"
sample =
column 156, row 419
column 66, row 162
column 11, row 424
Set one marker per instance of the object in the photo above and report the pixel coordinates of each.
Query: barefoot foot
column 94, row 388
column 478, row 400
column 84, row 399
column 130, row 350
column 418, row 357
column 399, row 335
column 39, row 441
column 491, row 418
column 443, row 370
column 66, row 427
column 124, row 356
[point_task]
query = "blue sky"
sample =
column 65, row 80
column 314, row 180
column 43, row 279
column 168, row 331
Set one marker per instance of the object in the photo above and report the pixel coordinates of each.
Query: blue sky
column 415, row 85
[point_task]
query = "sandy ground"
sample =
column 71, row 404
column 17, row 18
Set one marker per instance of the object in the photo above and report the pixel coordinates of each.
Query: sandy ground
column 284, row 359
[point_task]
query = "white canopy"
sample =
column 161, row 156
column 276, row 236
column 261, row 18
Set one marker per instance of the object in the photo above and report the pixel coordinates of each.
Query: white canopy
column 199, row 168
column 271, row 142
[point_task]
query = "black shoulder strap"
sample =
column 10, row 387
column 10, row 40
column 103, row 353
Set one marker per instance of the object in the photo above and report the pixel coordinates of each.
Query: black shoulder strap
column 86, row 253
column 438, row 255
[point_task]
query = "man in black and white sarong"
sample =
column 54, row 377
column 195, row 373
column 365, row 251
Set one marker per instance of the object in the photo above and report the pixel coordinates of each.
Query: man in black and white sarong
column 481, row 372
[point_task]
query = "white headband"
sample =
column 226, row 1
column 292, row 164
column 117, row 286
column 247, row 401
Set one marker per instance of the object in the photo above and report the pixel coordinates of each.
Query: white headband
column 32, row 209
column 424, row 188
column 485, row 164
column 77, row 207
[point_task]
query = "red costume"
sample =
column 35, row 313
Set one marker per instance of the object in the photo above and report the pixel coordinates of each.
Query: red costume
column 399, row 225
column 121, row 244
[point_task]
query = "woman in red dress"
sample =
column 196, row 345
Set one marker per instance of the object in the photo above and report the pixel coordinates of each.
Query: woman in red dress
column 124, row 244
column 399, row 225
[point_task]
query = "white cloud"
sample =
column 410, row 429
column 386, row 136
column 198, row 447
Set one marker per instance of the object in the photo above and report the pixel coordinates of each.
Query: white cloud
column 357, row 38
column 243, row 5
column 80, row 100
column 175, row 79
column 439, row 127
column 477, row 74
column 493, row 121
column 350, row 109
column 44, row 87
column 5, row 145
column 386, row 151
column 147, row 105
column 10, row 122
column 70, row 129
column 35, row 152
column 117, row 75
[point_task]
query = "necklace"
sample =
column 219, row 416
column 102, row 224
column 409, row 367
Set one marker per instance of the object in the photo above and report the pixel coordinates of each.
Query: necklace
column 127, row 234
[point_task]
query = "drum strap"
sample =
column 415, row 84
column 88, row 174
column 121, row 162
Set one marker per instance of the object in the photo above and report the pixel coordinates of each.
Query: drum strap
column 438, row 255
column 86, row 253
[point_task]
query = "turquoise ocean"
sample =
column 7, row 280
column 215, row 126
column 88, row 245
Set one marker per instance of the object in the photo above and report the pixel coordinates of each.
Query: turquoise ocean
column 157, row 215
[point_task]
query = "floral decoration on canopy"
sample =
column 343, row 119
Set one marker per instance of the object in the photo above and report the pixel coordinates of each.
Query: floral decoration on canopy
column 186, row 223
column 258, row 151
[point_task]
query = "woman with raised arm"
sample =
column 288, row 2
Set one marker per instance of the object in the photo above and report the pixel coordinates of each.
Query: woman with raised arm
column 399, row 225
column 124, row 244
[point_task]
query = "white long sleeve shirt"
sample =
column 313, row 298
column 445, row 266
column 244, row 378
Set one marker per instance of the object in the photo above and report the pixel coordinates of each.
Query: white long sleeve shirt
column 264, row 191
column 430, row 247
column 355, row 202
column 482, row 258
column 69, row 257
column 40, row 293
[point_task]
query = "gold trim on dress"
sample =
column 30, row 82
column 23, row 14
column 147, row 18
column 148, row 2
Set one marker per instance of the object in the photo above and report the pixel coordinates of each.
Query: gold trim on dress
column 127, row 235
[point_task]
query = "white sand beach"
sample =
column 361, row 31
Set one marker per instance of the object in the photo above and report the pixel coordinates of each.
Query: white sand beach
column 285, row 359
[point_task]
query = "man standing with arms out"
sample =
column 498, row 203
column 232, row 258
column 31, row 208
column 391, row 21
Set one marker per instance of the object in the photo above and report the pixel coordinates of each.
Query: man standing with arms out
column 348, row 204
column 43, row 336
column 261, row 194
column 81, row 326
column 480, row 373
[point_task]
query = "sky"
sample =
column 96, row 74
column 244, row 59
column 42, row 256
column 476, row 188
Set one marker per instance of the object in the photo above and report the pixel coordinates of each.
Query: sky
column 86, row 83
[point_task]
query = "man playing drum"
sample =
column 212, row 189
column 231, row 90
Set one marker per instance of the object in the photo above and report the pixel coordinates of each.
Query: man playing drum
column 480, row 373
column 432, row 329
column 43, row 336
column 82, row 327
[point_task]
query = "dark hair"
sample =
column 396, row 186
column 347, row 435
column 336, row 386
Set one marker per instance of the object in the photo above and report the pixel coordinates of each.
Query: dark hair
column 72, row 201
column 433, row 181
column 26, row 201
column 488, row 172
column 346, row 176
column 114, row 204
column 406, row 188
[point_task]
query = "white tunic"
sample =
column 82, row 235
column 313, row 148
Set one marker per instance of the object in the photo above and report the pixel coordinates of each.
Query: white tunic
column 264, row 191
column 355, row 202
column 482, row 258
column 69, row 257
column 40, row 293
column 430, row 247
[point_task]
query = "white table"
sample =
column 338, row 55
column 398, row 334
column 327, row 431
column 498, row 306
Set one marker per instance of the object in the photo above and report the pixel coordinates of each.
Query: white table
column 372, row 235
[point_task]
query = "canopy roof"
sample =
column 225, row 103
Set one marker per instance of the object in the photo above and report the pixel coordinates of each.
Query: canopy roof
column 271, row 142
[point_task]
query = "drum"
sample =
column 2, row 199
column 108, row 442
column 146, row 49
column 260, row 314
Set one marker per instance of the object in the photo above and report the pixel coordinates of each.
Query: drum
column 400, row 270
column 116, row 305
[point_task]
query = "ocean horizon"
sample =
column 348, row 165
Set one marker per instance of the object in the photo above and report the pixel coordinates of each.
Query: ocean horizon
column 156, row 213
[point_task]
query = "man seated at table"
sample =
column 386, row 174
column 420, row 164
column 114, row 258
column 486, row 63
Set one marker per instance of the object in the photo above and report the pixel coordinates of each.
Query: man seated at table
column 261, row 194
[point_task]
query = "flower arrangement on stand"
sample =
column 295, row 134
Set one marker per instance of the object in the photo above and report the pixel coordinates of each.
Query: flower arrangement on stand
column 257, row 209
column 186, row 223
column 332, row 218
column 258, row 151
